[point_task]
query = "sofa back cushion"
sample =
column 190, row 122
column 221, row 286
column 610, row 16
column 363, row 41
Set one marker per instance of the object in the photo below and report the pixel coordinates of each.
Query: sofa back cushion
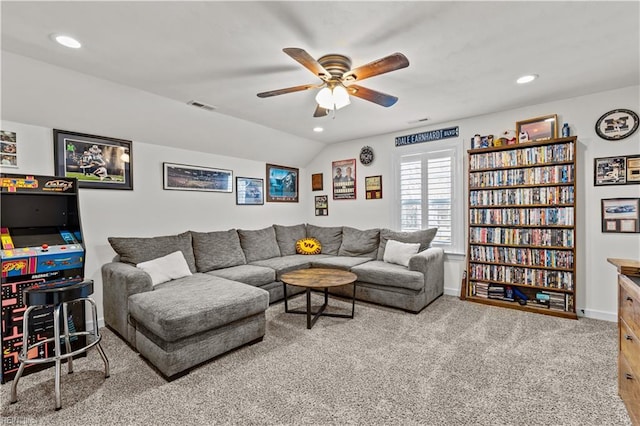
column 424, row 237
column 217, row 250
column 287, row 236
column 330, row 237
column 359, row 243
column 259, row 244
column 134, row 250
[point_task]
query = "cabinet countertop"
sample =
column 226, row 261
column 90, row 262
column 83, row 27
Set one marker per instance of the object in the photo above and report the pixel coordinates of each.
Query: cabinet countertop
column 626, row 266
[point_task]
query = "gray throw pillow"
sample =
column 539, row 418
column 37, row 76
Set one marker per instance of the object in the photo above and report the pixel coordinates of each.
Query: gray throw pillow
column 330, row 237
column 424, row 237
column 259, row 244
column 217, row 250
column 287, row 236
column 134, row 250
column 359, row 243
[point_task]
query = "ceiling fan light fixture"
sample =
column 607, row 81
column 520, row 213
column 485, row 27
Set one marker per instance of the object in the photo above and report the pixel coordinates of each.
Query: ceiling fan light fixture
column 335, row 98
column 340, row 97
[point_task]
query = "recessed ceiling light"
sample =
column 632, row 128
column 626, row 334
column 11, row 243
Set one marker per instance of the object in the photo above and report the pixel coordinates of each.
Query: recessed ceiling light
column 66, row 41
column 318, row 129
column 527, row 78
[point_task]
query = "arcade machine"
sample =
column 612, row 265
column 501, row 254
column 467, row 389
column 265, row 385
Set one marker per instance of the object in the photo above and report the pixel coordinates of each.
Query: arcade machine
column 42, row 244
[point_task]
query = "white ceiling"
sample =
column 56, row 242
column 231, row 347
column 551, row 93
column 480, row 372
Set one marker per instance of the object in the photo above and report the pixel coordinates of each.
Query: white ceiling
column 464, row 56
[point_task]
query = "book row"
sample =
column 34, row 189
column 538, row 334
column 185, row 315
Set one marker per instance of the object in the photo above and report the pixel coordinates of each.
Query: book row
column 549, row 258
column 527, row 176
column 521, row 275
column 529, row 216
column 520, row 236
column 523, row 156
column 538, row 299
column 514, row 196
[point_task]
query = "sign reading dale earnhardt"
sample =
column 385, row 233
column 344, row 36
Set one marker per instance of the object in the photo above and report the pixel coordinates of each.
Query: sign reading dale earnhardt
column 431, row 135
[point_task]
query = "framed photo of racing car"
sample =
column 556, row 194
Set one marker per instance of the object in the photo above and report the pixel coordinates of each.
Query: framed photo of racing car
column 96, row 161
column 621, row 215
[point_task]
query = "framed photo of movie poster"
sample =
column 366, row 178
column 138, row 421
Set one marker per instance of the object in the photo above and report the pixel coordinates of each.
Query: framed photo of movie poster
column 8, row 149
column 96, row 161
column 621, row 215
column 249, row 191
column 282, row 184
column 344, row 179
column 322, row 205
column 373, row 187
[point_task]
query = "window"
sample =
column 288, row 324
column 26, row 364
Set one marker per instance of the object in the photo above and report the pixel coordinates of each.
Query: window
column 430, row 194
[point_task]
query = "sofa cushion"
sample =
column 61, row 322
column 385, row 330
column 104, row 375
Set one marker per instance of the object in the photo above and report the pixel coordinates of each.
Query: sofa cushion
column 338, row 262
column 330, row 237
column 216, row 250
column 166, row 268
column 248, row 274
column 400, row 253
column 134, row 250
column 424, row 237
column 308, row 246
column 191, row 305
column 389, row 274
column 359, row 243
column 285, row 264
column 259, row 244
column 286, row 236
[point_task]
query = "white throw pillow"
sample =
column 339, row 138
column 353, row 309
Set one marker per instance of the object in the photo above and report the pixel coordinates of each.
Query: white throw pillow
column 399, row 253
column 166, row 268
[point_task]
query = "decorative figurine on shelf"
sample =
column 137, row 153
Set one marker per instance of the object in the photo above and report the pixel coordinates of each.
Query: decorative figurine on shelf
column 509, row 136
column 523, row 137
column 566, row 132
column 490, row 140
column 477, row 141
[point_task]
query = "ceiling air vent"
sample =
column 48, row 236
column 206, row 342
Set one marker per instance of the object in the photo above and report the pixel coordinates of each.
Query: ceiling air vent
column 201, row 105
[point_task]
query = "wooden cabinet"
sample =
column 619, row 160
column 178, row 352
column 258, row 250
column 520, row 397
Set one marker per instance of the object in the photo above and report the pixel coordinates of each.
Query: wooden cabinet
column 521, row 251
column 628, row 332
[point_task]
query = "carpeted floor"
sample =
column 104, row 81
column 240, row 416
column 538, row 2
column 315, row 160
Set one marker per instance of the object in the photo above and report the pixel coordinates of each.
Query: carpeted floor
column 455, row 363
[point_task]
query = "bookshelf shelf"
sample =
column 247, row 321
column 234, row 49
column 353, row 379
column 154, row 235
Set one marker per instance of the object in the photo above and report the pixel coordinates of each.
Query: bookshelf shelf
column 521, row 249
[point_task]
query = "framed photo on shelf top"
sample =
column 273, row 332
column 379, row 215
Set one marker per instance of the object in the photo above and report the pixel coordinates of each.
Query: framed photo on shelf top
column 344, row 179
column 96, row 161
column 282, row 184
column 537, row 129
column 621, row 215
column 249, row 191
column 182, row 177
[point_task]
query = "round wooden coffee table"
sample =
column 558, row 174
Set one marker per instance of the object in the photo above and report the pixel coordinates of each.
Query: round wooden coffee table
column 319, row 278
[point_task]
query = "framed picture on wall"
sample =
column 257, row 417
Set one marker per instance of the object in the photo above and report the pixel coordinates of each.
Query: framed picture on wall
column 96, row 161
column 322, row 205
column 197, row 178
column 633, row 169
column 344, row 179
column 249, row 191
column 8, row 149
column 610, row 171
column 282, row 184
column 373, row 187
column 316, row 182
column 621, row 215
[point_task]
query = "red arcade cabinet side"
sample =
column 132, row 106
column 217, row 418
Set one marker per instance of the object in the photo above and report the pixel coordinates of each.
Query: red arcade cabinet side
column 42, row 242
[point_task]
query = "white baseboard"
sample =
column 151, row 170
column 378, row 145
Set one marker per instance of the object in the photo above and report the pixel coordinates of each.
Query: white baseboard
column 452, row 291
column 89, row 323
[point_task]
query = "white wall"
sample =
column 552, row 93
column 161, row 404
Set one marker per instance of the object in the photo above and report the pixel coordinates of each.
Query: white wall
column 149, row 210
column 596, row 279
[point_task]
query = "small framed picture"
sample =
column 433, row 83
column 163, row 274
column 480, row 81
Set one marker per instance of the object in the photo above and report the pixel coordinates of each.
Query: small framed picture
column 633, row 169
column 344, row 179
column 196, row 178
column 249, row 191
column 322, row 205
column 96, row 161
column 373, row 187
column 621, row 215
column 610, row 171
column 537, row 129
column 282, row 184
column 8, row 149
column 316, row 182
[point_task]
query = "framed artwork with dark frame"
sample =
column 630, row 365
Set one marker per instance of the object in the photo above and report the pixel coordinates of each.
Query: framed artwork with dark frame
column 282, row 184
column 182, row 177
column 610, row 171
column 249, row 191
column 96, row 161
column 537, row 129
column 322, row 205
column 633, row 169
column 344, row 179
column 316, row 182
column 9, row 149
column 620, row 215
column 373, row 187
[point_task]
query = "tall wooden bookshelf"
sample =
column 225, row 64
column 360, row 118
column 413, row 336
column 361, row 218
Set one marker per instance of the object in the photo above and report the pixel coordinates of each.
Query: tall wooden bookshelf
column 521, row 252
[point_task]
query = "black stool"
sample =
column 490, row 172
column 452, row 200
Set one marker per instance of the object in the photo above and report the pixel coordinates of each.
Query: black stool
column 58, row 296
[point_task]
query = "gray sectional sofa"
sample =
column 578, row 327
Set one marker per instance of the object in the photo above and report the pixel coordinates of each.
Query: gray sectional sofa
column 233, row 277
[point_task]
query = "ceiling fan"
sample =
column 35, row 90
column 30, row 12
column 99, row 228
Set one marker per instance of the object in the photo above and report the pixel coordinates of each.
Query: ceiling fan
column 337, row 77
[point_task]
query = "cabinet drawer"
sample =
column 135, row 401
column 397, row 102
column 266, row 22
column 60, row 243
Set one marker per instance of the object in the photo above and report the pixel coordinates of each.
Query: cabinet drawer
column 629, row 389
column 629, row 346
column 629, row 303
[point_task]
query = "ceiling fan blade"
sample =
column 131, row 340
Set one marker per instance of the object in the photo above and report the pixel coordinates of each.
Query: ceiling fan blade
column 320, row 112
column 388, row 63
column 372, row 95
column 308, row 62
column 287, row 90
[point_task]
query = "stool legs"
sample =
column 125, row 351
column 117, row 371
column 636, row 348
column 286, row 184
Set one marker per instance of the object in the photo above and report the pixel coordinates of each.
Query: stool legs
column 67, row 340
column 24, row 350
column 96, row 333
